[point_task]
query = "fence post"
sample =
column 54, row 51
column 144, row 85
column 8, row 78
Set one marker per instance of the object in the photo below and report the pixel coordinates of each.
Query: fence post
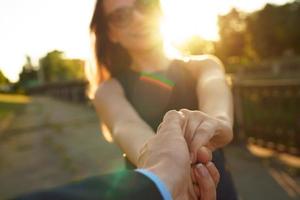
column 238, row 110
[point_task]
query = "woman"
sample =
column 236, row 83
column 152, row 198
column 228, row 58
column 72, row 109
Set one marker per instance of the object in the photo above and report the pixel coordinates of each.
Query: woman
column 139, row 84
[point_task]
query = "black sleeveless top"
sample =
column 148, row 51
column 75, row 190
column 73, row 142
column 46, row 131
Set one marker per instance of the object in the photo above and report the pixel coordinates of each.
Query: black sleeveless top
column 153, row 94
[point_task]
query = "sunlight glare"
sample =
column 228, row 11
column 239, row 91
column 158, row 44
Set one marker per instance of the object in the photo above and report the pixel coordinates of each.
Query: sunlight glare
column 35, row 27
column 183, row 19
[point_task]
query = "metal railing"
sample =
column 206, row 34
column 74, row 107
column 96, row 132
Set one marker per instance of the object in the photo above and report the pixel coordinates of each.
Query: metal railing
column 74, row 91
column 267, row 113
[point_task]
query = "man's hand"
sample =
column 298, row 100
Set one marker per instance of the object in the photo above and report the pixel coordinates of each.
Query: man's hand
column 167, row 155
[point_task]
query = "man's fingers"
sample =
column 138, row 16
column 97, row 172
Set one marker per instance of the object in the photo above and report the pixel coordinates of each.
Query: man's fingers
column 213, row 171
column 193, row 176
column 195, row 183
column 206, row 183
column 197, row 191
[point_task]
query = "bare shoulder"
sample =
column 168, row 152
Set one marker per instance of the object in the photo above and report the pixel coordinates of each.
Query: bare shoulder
column 110, row 87
column 199, row 64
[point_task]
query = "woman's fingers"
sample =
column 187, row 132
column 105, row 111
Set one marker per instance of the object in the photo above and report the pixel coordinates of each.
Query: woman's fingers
column 192, row 121
column 214, row 173
column 172, row 119
column 204, row 155
column 206, row 183
column 202, row 135
column 198, row 130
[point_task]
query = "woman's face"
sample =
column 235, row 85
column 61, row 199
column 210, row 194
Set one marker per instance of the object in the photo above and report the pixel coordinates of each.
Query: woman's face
column 133, row 23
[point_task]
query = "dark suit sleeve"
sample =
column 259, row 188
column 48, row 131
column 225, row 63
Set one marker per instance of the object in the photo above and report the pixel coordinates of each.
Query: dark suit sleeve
column 124, row 185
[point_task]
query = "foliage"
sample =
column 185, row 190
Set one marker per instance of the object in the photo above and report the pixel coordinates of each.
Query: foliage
column 232, row 45
column 3, row 79
column 55, row 68
column 196, row 45
column 269, row 34
column 27, row 78
column 29, row 75
column 273, row 31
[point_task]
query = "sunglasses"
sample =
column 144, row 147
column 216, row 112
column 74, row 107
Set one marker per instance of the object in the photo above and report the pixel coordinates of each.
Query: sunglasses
column 122, row 17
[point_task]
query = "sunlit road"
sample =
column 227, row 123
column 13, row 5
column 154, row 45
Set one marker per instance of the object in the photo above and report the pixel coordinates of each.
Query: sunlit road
column 51, row 143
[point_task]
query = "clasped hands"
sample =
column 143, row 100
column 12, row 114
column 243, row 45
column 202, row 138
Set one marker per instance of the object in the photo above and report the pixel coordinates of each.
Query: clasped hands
column 180, row 153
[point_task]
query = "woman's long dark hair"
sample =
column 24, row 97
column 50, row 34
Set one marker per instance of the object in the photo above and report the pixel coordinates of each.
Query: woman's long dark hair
column 110, row 57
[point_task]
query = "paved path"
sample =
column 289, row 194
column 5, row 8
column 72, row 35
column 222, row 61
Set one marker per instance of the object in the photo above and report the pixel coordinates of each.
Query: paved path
column 260, row 178
column 51, row 143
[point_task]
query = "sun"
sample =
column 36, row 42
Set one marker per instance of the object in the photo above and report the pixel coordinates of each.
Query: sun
column 183, row 19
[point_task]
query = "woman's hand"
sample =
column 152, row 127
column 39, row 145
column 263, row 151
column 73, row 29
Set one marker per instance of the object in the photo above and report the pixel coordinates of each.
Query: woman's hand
column 202, row 130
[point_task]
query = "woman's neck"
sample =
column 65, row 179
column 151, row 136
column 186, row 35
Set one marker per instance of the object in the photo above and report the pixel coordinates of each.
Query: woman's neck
column 150, row 60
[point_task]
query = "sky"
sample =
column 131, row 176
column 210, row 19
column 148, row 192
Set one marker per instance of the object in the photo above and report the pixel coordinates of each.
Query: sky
column 35, row 27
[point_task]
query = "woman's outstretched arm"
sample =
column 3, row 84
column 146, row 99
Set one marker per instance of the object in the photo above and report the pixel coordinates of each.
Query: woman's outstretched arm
column 215, row 102
column 129, row 131
column 213, row 92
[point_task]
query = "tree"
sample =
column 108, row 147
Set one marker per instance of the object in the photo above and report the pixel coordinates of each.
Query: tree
column 274, row 30
column 266, row 34
column 3, row 79
column 233, row 39
column 28, row 77
column 196, row 45
column 56, row 68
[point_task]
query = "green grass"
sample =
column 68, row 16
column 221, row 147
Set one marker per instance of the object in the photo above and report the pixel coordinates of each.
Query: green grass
column 11, row 103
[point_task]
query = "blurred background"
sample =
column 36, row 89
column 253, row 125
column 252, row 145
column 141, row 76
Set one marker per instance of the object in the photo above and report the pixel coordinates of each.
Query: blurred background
column 49, row 132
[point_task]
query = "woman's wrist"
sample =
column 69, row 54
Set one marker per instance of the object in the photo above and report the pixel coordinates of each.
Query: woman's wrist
column 225, row 120
column 224, row 131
